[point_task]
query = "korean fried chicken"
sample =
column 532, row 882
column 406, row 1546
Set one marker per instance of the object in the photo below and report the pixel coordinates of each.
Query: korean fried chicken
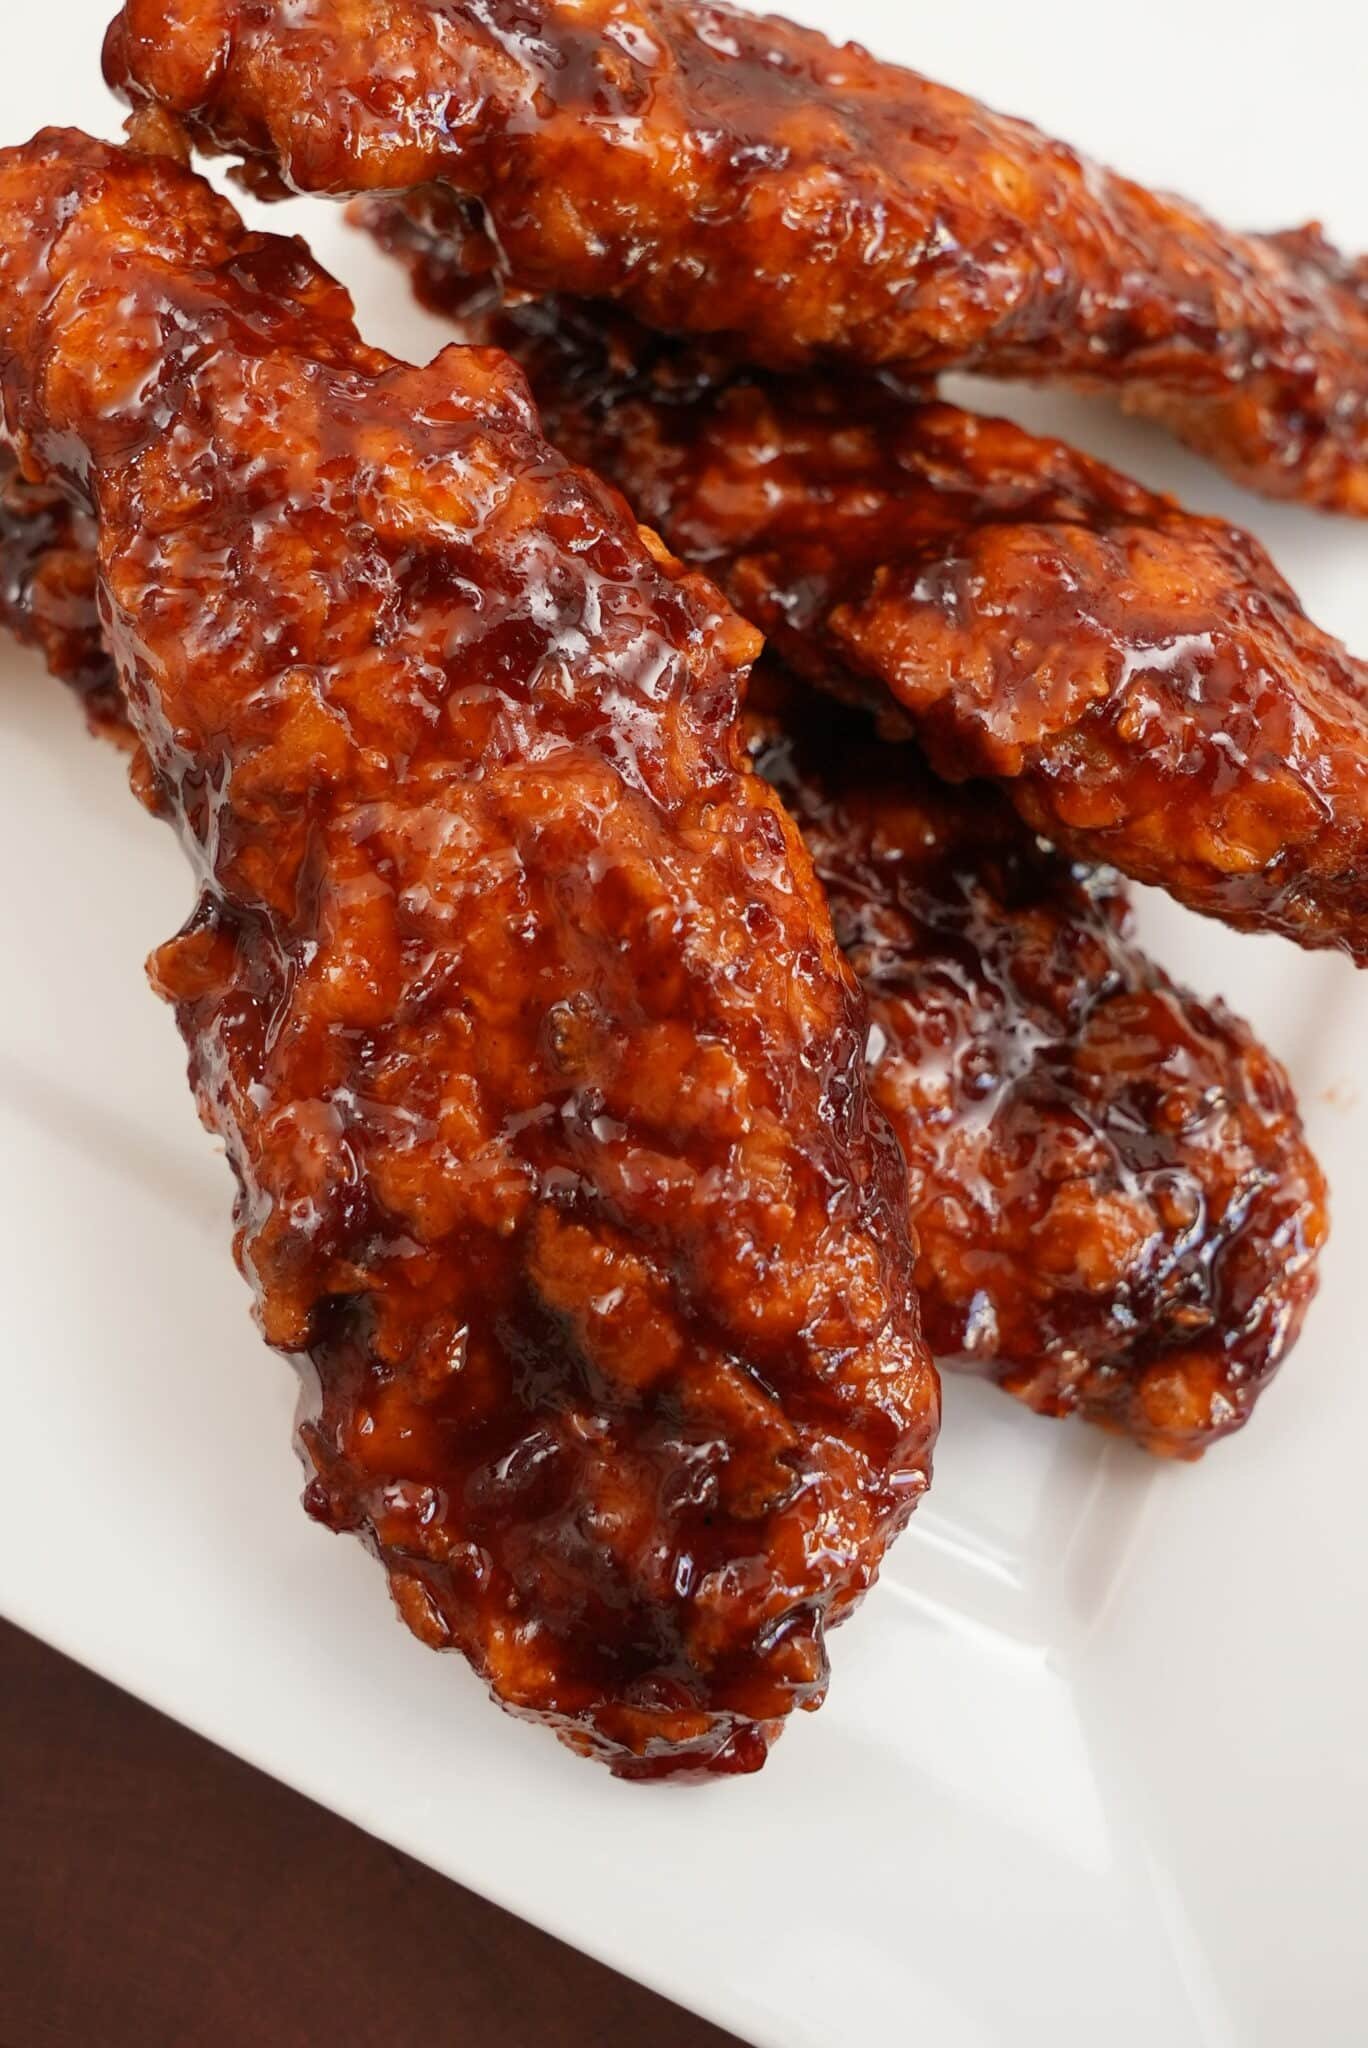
column 1117, row 1211
column 510, row 988
column 720, row 172
column 48, row 591
column 1142, row 683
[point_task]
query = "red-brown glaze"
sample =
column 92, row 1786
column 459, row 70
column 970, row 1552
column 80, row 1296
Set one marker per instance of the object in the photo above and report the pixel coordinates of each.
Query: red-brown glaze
column 48, row 592
column 1117, row 1209
column 510, row 989
column 721, row 172
column 1142, row 682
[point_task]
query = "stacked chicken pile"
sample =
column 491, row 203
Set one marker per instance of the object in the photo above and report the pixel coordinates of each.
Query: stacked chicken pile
column 659, row 984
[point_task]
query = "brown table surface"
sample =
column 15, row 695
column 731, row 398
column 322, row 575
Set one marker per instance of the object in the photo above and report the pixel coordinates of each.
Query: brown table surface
column 157, row 1893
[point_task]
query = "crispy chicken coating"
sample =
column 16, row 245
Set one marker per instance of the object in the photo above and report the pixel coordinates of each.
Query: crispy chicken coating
column 1142, row 682
column 510, row 989
column 1117, row 1210
column 720, row 172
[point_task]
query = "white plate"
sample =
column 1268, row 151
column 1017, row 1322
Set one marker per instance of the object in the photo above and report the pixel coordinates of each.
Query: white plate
column 1093, row 1767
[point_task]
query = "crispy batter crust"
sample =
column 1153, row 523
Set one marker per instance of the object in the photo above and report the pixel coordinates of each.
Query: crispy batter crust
column 510, row 989
column 723, row 172
column 1142, row 682
column 1117, row 1209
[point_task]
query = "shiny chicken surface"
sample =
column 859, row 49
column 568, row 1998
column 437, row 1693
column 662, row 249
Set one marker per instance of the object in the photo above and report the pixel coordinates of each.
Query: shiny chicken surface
column 723, row 172
column 510, row 988
column 1142, row 682
column 1117, row 1211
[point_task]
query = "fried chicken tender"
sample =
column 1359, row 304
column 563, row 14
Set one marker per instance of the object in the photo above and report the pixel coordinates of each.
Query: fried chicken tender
column 1118, row 1212
column 511, row 990
column 720, row 172
column 1143, row 683
column 48, row 594
column 1117, row 1209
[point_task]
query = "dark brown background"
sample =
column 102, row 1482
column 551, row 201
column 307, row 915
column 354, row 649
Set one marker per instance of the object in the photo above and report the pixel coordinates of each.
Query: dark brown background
column 156, row 1893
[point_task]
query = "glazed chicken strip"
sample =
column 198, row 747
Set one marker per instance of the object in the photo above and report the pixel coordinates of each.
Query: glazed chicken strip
column 1143, row 683
column 511, row 990
column 720, row 172
column 1117, row 1209
column 49, row 596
